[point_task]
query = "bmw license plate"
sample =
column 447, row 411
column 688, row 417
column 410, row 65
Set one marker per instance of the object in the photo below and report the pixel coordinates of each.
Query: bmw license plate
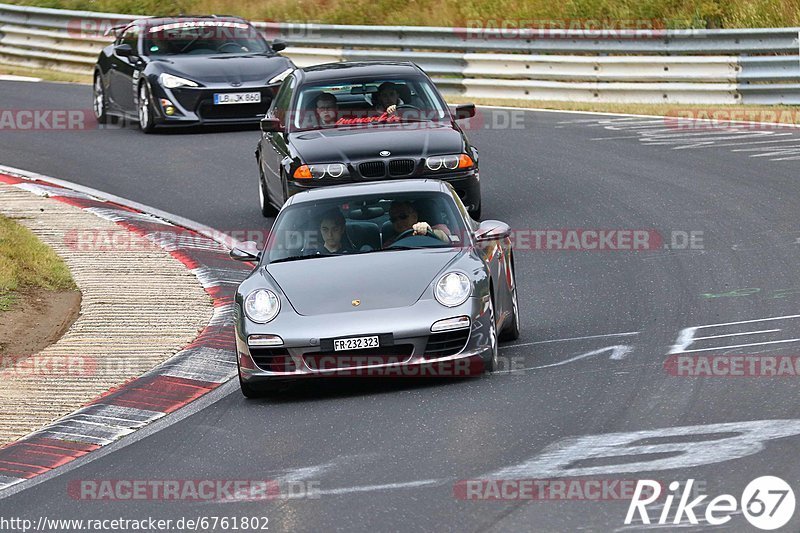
column 237, row 98
column 356, row 343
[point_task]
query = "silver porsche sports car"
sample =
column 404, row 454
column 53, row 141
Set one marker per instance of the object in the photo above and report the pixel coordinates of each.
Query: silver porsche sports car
column 375, row 279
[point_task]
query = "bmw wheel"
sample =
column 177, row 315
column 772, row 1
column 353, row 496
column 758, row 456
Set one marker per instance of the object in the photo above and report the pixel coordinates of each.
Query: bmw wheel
column 145, row 110
column 267, row 209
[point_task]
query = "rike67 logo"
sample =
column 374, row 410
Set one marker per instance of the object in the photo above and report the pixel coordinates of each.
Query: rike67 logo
column 767, row 503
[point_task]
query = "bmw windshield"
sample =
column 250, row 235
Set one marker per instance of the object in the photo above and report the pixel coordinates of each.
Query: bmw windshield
column 368, row 102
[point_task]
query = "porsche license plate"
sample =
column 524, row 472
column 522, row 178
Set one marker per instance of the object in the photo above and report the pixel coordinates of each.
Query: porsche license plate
column 356, row 343
column 237, row 98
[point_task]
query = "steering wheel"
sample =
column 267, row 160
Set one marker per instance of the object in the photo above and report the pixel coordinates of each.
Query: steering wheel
column 410, row 233
column 229, row 43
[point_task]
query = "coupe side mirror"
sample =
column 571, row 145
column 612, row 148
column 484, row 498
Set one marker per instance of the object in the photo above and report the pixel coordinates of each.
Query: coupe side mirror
column 271, row 125
column 246, row 251
column 464, row 111
column 278, row 45
column 124, row 50
column 492, row 230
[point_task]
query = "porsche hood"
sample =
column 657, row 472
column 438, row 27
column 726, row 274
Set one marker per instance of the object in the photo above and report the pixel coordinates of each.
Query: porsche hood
column 379, row 280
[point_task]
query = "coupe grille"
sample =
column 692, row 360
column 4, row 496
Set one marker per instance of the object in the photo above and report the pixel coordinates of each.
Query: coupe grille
column 210, row 111
column 372, row 169
column 272, row 359
column 446, row 343
column 401, row 167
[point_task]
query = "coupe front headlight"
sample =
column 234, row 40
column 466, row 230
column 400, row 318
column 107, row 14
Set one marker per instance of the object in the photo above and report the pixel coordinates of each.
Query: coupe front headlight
column 452, row 289
column 173, row 82
column 261, row 306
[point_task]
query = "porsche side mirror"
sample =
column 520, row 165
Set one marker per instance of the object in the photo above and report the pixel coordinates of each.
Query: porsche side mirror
column 270, row 125
column 464, row 111
column 278, row 45
column 124, row 50
column 246, row 251
column 492, row 230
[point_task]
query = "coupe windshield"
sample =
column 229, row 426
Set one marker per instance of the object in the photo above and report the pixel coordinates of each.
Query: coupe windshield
column 204, row 37
column 366, row 224
column 368, row 102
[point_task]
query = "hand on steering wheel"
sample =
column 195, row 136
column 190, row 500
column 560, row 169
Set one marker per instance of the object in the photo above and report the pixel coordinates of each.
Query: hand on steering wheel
column 411, row 232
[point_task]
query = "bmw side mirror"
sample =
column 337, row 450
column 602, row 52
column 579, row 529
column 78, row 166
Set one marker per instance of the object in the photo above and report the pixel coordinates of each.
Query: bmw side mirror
column 464, row 111
column 124, row 50
column 278, row 45
column 492, row 230
column 270, row 125
column 246, row 251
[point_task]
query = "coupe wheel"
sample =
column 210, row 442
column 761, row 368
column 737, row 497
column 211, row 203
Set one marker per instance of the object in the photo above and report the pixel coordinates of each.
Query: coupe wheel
column 145, row 110
column 99, row 100
column 475, row 213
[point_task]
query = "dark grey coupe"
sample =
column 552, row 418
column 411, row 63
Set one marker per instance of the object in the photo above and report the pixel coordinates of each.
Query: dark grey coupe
column 375, row 279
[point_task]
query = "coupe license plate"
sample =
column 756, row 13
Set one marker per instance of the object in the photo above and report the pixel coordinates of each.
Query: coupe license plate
column 237, row 98
column 356, row 343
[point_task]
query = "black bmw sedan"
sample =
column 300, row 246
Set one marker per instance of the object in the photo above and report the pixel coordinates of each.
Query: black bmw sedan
column 188, row 71
column 368, row 121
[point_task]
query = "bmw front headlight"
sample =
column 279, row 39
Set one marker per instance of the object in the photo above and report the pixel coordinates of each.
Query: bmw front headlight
column 452, row 289
column 262, row 305
column 173, row 82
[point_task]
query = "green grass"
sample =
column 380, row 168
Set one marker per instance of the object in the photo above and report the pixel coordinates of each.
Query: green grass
column 26, row 262
column 670, row 13
column 756, row 113
column 46, row 74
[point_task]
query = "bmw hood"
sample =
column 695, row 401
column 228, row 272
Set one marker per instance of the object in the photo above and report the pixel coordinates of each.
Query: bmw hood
column 380, row 280
column 226, row 68
column 357, row 144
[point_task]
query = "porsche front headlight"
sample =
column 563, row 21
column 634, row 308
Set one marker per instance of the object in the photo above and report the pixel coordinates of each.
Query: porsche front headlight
column 262, row 305
column 453, row 289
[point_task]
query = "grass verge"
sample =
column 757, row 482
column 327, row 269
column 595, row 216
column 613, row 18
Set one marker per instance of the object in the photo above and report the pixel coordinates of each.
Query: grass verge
column 26, row 262
column 45, row 74
column 578, row 14
column 777, row 114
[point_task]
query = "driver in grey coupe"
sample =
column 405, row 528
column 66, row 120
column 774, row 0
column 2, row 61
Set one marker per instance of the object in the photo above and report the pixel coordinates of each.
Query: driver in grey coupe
column 396, row 303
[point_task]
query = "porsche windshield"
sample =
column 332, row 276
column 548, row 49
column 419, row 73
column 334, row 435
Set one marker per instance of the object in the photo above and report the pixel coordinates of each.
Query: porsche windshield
column 366, row 224
column 204, row 37
column 360, row 103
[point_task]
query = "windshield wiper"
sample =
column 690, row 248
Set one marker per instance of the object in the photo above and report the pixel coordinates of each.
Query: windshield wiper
column 298, row 258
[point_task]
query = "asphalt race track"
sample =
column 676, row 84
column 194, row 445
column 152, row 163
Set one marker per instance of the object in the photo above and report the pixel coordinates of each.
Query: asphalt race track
column 597, row 327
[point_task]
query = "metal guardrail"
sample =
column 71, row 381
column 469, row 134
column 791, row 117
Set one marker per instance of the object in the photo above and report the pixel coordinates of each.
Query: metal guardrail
column 757, row 66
